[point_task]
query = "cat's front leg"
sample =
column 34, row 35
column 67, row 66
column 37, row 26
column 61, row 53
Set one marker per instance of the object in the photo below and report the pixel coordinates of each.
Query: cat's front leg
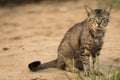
column 85, row 58
column 95, row 67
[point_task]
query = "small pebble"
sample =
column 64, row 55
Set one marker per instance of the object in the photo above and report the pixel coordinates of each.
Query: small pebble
column 5, row 48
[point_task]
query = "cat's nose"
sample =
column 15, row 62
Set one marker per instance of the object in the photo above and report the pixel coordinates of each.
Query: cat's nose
column 98, row 24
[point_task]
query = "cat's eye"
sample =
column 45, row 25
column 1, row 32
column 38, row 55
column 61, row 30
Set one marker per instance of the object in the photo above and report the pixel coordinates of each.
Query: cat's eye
column 92, row 19
column 105, row 19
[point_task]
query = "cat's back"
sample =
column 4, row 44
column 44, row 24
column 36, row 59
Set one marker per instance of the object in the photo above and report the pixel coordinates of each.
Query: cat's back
column 72, row 36
column 75, row 30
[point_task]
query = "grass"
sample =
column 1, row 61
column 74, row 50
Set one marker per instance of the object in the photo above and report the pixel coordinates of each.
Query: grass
column 113, row 75
column 114, row 3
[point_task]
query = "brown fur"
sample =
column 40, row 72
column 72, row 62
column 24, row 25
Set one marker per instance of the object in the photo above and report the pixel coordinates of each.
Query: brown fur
column 81, row 41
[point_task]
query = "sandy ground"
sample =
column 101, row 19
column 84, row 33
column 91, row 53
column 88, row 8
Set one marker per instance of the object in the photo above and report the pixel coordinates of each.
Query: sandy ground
column 33, row 32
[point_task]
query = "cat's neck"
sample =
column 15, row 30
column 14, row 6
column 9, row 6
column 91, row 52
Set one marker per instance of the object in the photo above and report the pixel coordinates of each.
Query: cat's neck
column 97, row 33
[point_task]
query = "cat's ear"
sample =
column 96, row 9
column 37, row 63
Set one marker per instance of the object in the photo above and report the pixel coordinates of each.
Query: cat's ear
column 108, row 9
column 88, row 10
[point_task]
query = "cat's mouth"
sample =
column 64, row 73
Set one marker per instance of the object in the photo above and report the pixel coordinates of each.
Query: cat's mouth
column 99, row 28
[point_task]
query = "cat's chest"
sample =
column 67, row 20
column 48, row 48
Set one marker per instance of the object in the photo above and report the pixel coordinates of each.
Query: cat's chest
column 94, row 43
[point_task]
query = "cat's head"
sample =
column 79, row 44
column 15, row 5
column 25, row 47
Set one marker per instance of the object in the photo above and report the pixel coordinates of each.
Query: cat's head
column 98, row 18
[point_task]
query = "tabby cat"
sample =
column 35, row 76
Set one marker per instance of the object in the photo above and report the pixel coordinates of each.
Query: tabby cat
column 81, row 41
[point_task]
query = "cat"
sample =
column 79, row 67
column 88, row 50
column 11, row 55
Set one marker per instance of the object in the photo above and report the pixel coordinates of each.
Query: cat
column 81, row 41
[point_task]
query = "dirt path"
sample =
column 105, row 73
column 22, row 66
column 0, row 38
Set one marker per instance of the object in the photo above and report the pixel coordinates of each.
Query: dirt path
column 33, row 32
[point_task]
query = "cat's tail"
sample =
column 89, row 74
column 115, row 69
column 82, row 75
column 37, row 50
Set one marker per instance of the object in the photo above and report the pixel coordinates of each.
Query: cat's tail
column 36, row 65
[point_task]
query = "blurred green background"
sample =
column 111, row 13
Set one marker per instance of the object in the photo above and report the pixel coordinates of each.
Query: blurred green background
column 114, row 3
